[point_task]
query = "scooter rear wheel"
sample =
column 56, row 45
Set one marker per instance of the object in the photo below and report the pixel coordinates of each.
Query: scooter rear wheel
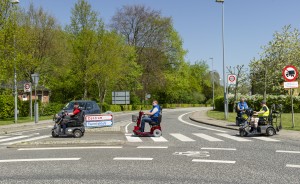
column 77, row 134
column 270, row 131
column 157, row 133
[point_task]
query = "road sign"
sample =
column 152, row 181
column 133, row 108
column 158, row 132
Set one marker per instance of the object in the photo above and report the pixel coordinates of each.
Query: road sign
column 231, row 79
column 290, row 73
column 288, row 85
column 98, row 120
column 27, row 87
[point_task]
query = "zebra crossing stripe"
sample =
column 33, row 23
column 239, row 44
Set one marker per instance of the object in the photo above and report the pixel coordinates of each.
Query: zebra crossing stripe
column 159, row 139
column 234, row 138
column 266, row 139
column 13, row 138
column 25, row 140
column 182, row 137
column 207, row 137
column 133, row 139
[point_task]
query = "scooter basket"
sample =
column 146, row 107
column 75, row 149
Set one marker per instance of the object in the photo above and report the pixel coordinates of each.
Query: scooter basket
column 134, row 118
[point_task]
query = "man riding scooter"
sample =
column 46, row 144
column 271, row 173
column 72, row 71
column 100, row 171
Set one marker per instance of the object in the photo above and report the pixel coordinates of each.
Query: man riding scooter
column 152, row 115
column 261, row 115
column 71, row 116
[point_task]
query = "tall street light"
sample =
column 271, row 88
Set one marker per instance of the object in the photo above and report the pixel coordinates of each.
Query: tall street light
column 14, row 2
column 213, row 81
column 224, row 78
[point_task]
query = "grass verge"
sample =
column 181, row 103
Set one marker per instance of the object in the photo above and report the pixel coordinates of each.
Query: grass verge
column 286, row 119
column 9, row 121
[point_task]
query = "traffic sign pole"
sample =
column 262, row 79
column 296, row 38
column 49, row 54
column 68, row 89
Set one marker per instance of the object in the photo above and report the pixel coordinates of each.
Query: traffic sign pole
column 290, row 73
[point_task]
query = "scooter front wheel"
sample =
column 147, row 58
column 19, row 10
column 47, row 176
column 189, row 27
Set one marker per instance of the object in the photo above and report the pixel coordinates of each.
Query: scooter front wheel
column 243, row 133
column 54, row 134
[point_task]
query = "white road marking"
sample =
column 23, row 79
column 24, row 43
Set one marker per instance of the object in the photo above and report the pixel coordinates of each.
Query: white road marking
column 207, row 128
column 226, row 149
column 283, row 151
column 25, row 140
column 133, row 139
column 234, row 138
column 126, row 127
column 13, row 138
column 214, row 161
column 182, row 137
column 154, row 147
column 38, row 160
column 131, row 158
column 159, row 139
column 67, row 148
column 291, row 165
column 207, row 137
column 266, row 139
column 2, row 137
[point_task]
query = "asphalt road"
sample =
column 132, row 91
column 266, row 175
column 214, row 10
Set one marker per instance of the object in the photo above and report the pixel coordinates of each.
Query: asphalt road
column 187, row 152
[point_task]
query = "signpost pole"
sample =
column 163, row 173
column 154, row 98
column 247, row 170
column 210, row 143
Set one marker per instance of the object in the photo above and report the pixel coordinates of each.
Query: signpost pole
column 293, row 120
column 30, row 102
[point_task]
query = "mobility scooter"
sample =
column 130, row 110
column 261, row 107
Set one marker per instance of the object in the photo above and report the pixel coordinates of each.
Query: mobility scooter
column 75, row 127
column 265, row 125
column 155, row 128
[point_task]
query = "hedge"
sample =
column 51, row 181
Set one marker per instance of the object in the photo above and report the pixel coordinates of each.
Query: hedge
column 254, row 102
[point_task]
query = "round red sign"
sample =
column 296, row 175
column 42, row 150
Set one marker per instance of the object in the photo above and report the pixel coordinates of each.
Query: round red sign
column 290, row 73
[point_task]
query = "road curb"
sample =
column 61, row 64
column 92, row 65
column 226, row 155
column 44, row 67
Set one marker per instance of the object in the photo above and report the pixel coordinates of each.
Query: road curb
column 221, row 126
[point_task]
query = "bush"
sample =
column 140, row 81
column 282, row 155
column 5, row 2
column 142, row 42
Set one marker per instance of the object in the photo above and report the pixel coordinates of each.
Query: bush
column 6, row 106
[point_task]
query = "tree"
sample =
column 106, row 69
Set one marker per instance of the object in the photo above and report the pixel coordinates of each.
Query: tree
column 84, row 33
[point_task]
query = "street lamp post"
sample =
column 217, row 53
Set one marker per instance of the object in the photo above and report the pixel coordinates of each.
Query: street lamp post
column 213, row 81
column 224, row 83
column 13, row 2
column 35, row 80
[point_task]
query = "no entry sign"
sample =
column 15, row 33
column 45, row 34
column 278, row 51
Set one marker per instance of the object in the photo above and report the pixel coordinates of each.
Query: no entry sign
column 290, row 73
column 231, row 79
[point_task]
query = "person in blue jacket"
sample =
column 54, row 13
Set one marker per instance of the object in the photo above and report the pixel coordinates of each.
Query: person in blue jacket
column 241, row 106
column 152, row 115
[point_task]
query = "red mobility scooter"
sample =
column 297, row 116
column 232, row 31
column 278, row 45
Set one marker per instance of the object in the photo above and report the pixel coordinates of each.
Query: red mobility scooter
column 155, row 129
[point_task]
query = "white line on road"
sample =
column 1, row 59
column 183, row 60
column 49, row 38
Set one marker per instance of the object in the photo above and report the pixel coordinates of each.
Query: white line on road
column 159, row 139
column 234, row 138
column 291, row 165
column 180, row 119
column 13, row 138
column 2, row 137
column 25, row 140
column 214, row 161
column 226, row 149
column 132, row 158
column 207, row 137
column 133, row 139
column 266, row 139
column 182, row 137
column 38, row 160
column 283, row 151
column 154, row 147
column 126, row 127
column 67, row 148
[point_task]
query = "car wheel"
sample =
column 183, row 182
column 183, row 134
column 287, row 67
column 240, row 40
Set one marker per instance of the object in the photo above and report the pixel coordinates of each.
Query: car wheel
column 77, row 133
column 157, row 133
column 270, row 131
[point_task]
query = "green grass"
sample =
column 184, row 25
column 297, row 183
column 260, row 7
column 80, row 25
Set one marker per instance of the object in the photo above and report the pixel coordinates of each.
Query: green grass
column 9, row 121
column 286, row 119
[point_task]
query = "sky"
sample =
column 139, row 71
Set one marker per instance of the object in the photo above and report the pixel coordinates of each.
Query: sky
column 248, row 24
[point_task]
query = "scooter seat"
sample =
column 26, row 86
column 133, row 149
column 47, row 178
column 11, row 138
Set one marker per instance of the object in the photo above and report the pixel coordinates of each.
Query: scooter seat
column 153, row 123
